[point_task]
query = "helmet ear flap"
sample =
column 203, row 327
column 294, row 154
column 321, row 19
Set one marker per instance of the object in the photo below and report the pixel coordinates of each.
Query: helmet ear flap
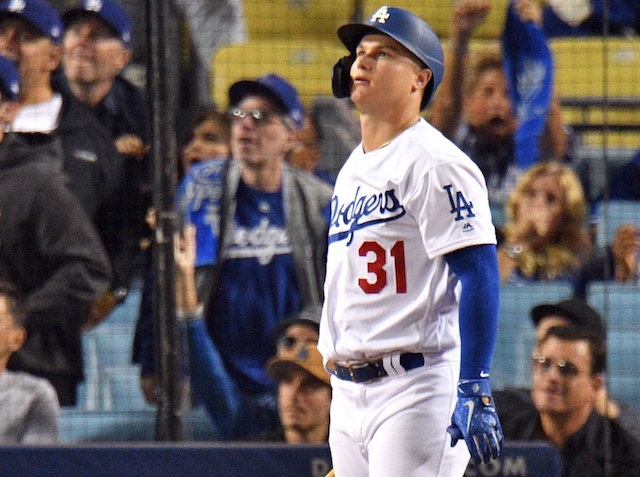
column 341, row 77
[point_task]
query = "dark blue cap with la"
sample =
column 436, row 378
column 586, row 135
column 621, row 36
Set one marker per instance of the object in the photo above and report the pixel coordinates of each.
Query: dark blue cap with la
column 36, row 12
column 9, row 80
column 109, row 12
column 274, row 88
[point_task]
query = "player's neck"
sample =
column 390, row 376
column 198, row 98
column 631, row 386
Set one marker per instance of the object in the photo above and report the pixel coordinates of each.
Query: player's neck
column 378, row 132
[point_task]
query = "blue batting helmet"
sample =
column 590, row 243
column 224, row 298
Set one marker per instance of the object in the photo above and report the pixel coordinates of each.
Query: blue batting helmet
column 406, row 28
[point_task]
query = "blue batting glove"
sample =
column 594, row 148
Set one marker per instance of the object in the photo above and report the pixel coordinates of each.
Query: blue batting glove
column 475, row 420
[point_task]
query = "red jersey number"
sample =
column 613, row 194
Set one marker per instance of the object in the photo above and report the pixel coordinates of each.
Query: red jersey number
column 376, row 267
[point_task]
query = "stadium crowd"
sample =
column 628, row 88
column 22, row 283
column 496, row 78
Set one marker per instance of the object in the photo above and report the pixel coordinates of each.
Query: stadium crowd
column 255, row 181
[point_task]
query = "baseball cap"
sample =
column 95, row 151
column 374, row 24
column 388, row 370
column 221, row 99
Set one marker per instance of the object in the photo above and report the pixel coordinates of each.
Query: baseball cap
column 9, row 80
column 109, row 12
column 38, row 13
column 305, row 357
column 575, row 310
column 276, row 89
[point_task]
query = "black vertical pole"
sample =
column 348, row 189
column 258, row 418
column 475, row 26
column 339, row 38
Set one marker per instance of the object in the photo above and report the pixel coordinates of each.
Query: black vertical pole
column 166, row 336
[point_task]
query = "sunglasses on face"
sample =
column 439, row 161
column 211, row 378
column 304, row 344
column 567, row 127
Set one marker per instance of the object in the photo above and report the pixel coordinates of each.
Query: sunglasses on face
column 289, row 342
column 566, row 369
column 260, row 117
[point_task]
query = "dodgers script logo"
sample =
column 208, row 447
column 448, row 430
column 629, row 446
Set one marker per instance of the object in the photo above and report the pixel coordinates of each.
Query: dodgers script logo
column 262, row 242
column 357, row 213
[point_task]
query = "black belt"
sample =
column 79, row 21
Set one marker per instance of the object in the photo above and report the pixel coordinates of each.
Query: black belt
column 370, row 370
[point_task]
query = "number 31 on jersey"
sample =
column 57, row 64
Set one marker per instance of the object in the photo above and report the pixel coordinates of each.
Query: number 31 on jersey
column 377, row 259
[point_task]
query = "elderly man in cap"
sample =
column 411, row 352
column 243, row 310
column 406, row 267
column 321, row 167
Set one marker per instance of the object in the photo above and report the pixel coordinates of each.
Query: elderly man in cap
column 97, row 41
column 573, row 312
column 97, row 48
column 261, row 234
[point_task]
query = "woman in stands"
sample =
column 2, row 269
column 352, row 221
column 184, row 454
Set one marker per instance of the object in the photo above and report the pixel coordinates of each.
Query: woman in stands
column 545, row 237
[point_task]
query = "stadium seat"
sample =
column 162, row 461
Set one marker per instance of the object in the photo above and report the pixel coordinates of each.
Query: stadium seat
column 610, row 216
column 306, row 64
column 439, row 14
column 79, row 426
column 511, row 364
column 587, row 70
column 120, row 389
column 319, row 19
column 618, row 305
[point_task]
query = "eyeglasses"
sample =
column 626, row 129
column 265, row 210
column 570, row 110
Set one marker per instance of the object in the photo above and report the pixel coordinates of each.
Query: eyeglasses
column 566, row 369
column 260, row 117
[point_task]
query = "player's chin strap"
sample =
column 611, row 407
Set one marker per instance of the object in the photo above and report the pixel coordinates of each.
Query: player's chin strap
column 475, row 420
column 341, row 77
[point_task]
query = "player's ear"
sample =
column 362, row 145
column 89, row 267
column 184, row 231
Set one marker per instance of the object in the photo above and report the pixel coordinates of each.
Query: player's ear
column 423, row 77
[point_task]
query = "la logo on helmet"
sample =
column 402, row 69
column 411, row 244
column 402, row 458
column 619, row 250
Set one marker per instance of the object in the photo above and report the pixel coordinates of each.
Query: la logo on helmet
column 381, row 16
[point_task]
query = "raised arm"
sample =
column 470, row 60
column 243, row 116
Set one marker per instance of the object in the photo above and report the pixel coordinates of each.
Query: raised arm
column 448, row 106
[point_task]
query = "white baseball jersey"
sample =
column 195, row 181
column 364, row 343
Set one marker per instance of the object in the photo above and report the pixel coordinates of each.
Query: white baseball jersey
column 395, row 213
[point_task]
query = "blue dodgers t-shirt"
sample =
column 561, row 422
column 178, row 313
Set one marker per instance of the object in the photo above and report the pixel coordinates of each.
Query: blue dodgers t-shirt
column 257, row 287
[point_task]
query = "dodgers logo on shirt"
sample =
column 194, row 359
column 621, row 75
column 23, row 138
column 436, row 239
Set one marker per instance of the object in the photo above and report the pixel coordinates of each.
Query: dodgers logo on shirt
column 363, row 211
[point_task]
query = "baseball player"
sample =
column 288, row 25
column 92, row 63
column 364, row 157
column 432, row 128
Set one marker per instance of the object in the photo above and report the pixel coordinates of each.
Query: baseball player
column 412, row 278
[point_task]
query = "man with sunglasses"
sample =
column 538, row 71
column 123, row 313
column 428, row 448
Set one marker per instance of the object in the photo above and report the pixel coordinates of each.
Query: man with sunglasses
column 261, row 233
column 569, row 312
column 568, row 367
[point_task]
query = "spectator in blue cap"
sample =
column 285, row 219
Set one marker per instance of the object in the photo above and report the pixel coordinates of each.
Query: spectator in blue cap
column 96, row 42
column 261, row 233
column 30, row 35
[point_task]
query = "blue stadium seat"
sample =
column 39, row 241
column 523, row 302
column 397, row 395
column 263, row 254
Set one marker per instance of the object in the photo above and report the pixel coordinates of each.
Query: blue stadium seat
column 617, row 304
column 120, row 389
column 78, row 426
column 511, row 364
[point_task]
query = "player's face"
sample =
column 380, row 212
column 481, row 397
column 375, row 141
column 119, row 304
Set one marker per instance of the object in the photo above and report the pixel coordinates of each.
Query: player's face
column 34, row 54
column 259, row 143
column 567, row 391
column 303, row 401
column 208, row 140
column 541, row 205
column 386, row 76
column 92, row 53
column 489, row 106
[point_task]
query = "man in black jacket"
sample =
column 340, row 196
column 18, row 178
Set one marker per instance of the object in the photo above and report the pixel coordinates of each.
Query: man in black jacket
column 97, row 42
column 31, row 35
column 48, row 248
column 568, row 367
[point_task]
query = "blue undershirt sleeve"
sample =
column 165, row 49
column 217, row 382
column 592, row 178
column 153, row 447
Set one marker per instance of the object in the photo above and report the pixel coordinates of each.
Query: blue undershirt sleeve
column 477, row 269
